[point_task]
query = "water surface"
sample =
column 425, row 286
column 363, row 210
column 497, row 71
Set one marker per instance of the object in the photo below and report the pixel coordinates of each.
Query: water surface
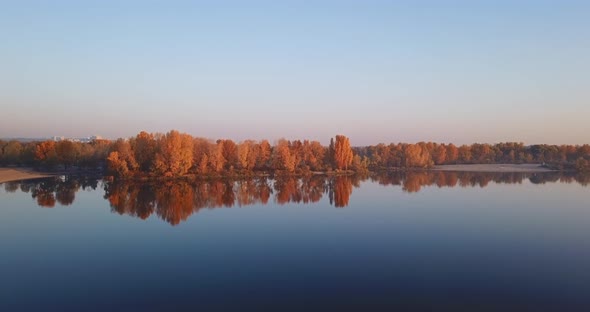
column 420, row 241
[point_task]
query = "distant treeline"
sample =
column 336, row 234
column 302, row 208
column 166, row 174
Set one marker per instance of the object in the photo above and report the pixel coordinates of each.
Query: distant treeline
column 427, row 154
column 177, row 154
column 54, row 155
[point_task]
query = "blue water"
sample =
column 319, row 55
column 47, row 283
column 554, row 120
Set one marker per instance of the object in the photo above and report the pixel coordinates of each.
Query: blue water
column 481, row 243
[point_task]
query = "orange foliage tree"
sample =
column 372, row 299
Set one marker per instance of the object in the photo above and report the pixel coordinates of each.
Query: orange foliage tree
column 342, row 152
column 417, row 155
column 264, row 153
column 144, row 149
column 121, row 160
column 45, row 153
column 174, row 154
column 282, row 158
column 248, row 154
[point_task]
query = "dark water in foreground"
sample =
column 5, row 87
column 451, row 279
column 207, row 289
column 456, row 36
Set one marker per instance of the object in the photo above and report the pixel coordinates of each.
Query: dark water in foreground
column 423, row 241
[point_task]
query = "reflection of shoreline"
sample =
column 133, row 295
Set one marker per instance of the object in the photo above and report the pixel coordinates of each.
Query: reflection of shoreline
column 493, row 168
column 52, row 190
column 413, row 181
column 175, row 201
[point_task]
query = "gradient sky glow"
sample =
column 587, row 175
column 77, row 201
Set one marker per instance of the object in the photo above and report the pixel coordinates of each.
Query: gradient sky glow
column 376, row 71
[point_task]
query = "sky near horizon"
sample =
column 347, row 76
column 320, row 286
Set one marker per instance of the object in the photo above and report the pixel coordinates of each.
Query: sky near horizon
column 376, row 71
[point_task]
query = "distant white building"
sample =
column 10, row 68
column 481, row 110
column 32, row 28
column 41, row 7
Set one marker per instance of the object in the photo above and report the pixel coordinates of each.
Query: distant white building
column 83, row 140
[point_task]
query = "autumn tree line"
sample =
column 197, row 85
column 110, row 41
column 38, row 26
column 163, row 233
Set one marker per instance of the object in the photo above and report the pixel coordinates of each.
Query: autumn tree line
column 51, row 155
column 176, row 154
column 428, row 154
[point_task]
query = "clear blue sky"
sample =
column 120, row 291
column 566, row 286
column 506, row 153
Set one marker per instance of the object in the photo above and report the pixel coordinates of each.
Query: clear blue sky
column 376, row 71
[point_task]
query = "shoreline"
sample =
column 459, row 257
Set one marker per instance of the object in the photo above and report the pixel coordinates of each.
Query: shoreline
column 18, row 174
column 493, row 168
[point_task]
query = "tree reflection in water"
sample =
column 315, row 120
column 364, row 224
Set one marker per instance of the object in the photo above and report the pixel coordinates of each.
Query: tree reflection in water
column 48, row 191
column 412, row 182
column 176, row 201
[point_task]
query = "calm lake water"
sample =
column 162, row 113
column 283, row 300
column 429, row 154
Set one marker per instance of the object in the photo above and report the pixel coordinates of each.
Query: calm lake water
column 423, row 241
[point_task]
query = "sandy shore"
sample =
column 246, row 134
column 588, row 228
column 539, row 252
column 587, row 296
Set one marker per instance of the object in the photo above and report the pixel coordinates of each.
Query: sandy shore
column 15, row 174
column 494, row 168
